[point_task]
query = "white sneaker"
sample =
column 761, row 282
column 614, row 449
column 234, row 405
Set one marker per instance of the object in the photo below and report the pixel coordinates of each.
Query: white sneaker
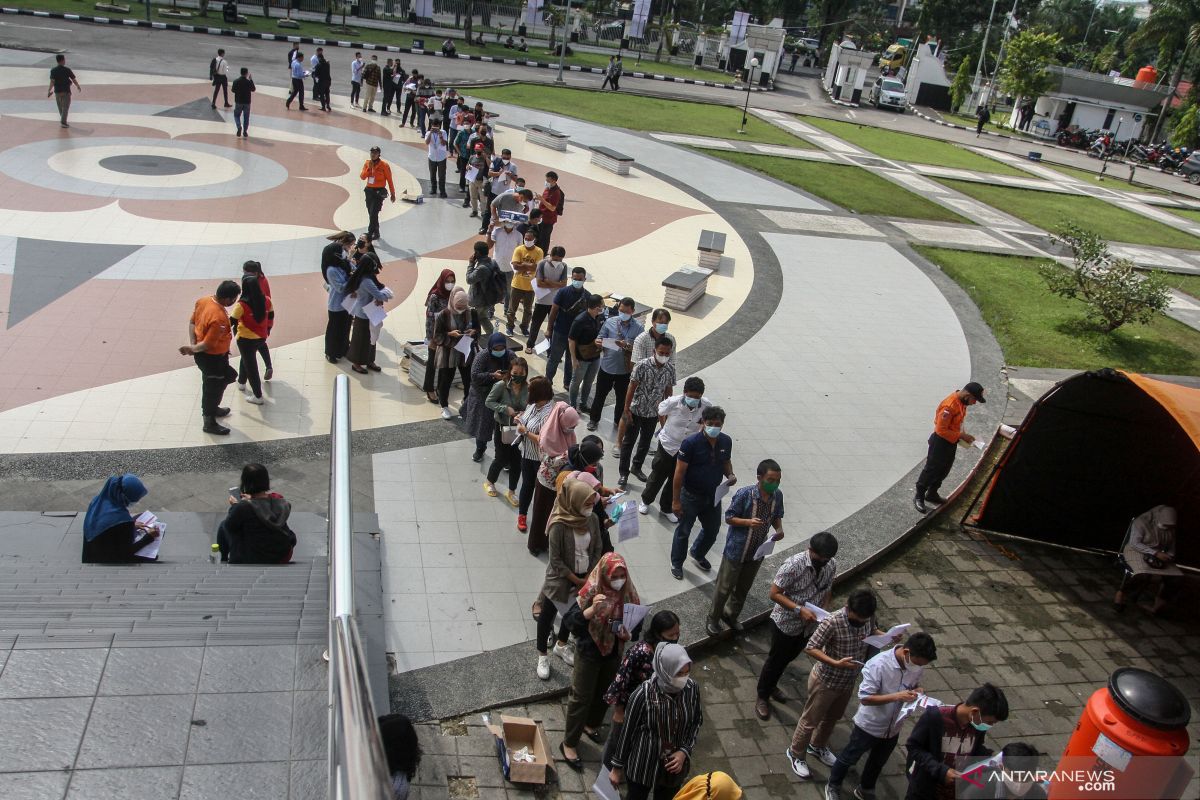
column 643, row 508
column 565, row 652
column 446, row 414
column 543, row 668
column 671, row 518
column 798, row 766
column 245, row 388
column 254, row 401
column 823, row 754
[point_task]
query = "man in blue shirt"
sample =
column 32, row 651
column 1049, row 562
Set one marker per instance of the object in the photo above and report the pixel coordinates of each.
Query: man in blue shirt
column 569, row 303
column 702, row 464
column 298, row 72
column 614, row 364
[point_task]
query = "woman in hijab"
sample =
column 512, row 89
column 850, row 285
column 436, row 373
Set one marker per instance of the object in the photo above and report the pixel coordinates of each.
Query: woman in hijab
column 335, row 269
column 596, row 621
column 574, row 535
column 453, row 323
column 435, row 303
column 506, row 400
column 253, row 317
column 558, row 436
column 710, row 786
column 636, row 668
column 662, row 719
column 489, row 367
column 110, row 533
column 367, row 288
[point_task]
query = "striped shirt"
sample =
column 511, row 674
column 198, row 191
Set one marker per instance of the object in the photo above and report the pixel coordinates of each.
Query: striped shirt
column 838, row 639
column 657, row 724
column 533, row 418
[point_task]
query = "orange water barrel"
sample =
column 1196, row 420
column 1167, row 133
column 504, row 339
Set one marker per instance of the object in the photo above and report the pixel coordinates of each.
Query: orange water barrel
column 1129, row 742
column 1147, row 75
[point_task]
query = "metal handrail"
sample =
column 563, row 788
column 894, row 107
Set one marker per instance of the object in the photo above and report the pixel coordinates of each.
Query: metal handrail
column 357, row 764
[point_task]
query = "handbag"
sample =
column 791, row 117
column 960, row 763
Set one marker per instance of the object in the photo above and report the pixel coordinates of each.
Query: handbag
column 508, row 434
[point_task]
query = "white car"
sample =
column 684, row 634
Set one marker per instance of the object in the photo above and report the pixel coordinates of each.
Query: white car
column 888, row 93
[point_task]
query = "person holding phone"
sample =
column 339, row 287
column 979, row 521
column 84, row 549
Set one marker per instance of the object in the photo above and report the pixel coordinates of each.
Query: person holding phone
column 255, row 531
column 454, row 322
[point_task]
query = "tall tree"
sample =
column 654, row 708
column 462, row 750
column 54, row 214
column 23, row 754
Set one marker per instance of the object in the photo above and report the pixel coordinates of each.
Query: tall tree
column 1024, row 73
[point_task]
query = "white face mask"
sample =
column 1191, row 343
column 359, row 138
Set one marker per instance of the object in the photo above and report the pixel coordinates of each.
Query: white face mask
column 449, row 287
column 679, row 681
column 617, row 583
column 661, row 359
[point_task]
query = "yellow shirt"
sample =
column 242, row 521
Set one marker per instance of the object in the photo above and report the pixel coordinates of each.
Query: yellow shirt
column 525, row 261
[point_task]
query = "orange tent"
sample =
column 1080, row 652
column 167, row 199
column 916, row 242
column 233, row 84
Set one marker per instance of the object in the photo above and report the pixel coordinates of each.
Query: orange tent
column 1095, row 451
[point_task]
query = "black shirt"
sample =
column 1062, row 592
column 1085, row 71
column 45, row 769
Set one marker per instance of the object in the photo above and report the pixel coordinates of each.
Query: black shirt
column 584, row 331
column 243, row 87
column 62, row 77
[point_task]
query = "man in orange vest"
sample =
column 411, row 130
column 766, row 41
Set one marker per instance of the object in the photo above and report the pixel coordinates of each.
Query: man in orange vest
column 947, row 432
column 210, row 335
column 378, row 175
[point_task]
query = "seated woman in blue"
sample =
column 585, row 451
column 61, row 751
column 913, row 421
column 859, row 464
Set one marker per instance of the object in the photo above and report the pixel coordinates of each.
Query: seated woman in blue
column 110, row 534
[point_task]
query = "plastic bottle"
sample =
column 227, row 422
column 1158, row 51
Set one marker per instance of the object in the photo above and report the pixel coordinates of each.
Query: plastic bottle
column 214, row 557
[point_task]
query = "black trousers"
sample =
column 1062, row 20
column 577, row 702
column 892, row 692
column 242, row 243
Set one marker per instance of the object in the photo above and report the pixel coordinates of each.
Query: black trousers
column 374, row 204
column 437, row 176
column 337, row 333
column 248, row 367
column 540, row 312
column 507, row 455
column 639, row 431
column 545, row 624
column 637, row 791
column 410, row 110
column 216, row 374
column 606, row 382
column 937, row 465
column 297, row 91
column 460, row 164
column 430, row 382
column 529, row 468
column 322, row 93
column 445, row 378
column 355, row 88
column 221, row 84
column 544, row 231
column 784, row 650
column 662, row 474
column 389, row 92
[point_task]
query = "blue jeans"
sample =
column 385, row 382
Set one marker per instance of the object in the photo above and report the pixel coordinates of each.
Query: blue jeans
column 241, row 116
column 583, row 377
column 880, row 751
column 558, row 347
column 421, row 114
column 694, row 508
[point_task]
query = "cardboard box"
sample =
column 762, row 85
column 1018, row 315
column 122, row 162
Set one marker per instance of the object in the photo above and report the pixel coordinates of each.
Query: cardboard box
column 517, row 733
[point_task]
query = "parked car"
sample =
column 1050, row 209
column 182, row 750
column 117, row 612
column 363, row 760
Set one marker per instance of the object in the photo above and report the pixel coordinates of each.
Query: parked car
column 811, row 45
column 1190, row 169
column 888, row 93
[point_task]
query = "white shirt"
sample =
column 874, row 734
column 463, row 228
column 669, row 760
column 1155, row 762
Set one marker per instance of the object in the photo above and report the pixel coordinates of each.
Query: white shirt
column 356, row 68
column 884, row 675
column 436, row 141
column 506, row 243
column 222, row 68
column 582, row 540
column 681, row 422
column 312, row 62
column 434, row 105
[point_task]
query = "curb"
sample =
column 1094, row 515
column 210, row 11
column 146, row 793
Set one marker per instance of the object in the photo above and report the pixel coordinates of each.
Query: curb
column 382, row 48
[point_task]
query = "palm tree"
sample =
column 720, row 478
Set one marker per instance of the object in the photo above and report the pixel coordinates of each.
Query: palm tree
column 1175, row 26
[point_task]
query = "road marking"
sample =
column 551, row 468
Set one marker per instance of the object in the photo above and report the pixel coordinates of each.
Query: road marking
column 37, row 27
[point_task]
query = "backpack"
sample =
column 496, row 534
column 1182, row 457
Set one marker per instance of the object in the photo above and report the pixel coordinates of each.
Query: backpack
column 562, row 203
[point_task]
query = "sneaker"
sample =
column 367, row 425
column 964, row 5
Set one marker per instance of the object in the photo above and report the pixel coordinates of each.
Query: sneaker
column 244, row 388
column 643, row 508
column 270, row 373
column 616, row 451
column 255, row 401
column 477, row 456
column 511, row 498
column 591, row 426
column 508, row 329
column 677, row 573
column 864, row 794
column 823, row 754
column 543, row 668
column 671, row 518
column 446, row 414
column 565, row 652
column 833, row 792
column 702, row 563
column 522, row 525
column 798, row 766
column 489, row 489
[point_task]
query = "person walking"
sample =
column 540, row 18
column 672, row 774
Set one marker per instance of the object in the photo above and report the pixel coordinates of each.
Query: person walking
column 573, row 533
column 436, row 144
column 336, row 269
column 367, row 288
column 701, row 465
column 243, row 91
column 209, row 337
column 608, row 73
column 636, row 668
column 452, row 324
column 614, row 74
column 378, row 175
column 356, row 71
column 583, row 342
column 753, row 512
column 947, row 433
column 651, row 382
column 680, row 415
column 803, row 580
column 253, row 316
column 322, row 81
column 371, row 77
column 525, row 258
column 662, row 721
column 615, row 362
column 982, row 117
column 489, row 367
column 551, row 275
column 218, row 73
column 506, row 400
column 530, row 424
column 436, row 301
column 299, row 73
column 486, row 284
column 61, row 81
column 569, row 303
column 596, row 620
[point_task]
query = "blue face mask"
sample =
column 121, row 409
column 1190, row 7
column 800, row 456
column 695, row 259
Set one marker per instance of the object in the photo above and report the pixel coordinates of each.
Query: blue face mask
column 624, row 317
column 691, row 402
column 661, row 327
column 712, row 431
column 499, row 353
column 577, row 284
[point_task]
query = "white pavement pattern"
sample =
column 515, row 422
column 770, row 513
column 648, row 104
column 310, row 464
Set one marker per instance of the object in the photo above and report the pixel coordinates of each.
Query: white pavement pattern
column 853, row 375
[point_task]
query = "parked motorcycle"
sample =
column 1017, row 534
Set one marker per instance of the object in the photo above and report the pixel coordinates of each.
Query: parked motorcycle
column 1073, row 138
column 1172, row 160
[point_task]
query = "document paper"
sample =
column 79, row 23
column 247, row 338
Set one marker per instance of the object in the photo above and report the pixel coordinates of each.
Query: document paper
column 464, row 345
column 722, row 490
column 150, row 521
column 885, row 639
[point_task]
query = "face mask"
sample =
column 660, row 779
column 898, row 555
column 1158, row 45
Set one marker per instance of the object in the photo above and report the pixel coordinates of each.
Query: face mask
column 712, row 431
column 499, row 353
column 577, row 284
column 504, row 160
column 518, row 379
column 661, row 359
column 856, row 623
column 770, row 488
column 691, row 402
column 624, row 317
column 557, row 264
column 679, row 681
column 980, row 726
column 661, row 327
column 617, row 583
column 449, row 287
column 530, row 242
column 548, row 184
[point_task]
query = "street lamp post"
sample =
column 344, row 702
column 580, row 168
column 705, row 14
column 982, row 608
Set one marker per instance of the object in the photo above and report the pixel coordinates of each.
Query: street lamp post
column 562, row 45
column 749, row 85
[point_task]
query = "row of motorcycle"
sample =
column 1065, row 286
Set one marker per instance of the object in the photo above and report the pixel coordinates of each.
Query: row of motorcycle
column 1102, row 144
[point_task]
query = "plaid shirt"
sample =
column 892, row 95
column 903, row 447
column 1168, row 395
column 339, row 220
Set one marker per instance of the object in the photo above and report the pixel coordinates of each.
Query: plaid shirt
column 802, row 584
column 839, row 639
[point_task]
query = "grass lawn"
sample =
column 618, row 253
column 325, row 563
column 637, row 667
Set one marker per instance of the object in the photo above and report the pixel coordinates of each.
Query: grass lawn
column 641, row 113
column 1114, row 179
column 1188, row 284
column 853, row 188
column 1037, row 329
column 906, row 147
column 1048, row 210
column 1186, row 213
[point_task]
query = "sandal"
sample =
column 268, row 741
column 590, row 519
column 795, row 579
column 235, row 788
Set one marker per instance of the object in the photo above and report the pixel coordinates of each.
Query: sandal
column 490, row 489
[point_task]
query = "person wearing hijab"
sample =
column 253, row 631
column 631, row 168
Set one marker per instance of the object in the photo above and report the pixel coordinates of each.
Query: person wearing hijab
column 1150, row 553
column 506, row 400
column 453, row 323
column 710, row 786
column 255, row 531
column 574, row 535
column 110, row 533
column 596, row 621
column 335, row 269
column 252, row 317
column 253, row 269
column 529, row 425
column 489, row 367
column 662, row 720
column 636, row 668
column 366, row 287
column 556, row 440
column 435, row 303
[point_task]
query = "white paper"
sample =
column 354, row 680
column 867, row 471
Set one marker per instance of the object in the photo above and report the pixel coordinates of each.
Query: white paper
column 765, row 549
column 979, row 443
column 633, row 615
column 538, row 291
column 917, row 707
column 609, row 344
column 603, row 787
column 817, row 610
column 375, row 314
column 464, row 345
column 150, row 521
column 883, row 640
column 348, row 303
column 628, row 525
column 722, row 490
column 472, row 174
column 541, row 347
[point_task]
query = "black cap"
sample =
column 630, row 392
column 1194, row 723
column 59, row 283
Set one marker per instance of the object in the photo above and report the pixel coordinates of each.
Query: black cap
column 975, row 390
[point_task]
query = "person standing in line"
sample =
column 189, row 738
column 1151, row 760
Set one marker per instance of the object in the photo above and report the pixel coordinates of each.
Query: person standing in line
column 335, row 268
column 551, row 275
column 890, row 679
column 947, row 433
column 489, row 367
column 643, row 348
column 804, row 578
column 525, row 258
column 944, row 736
column 253, row 316
column 702, row 463
column 210, row 336
column 378, row 175
column 475, row 189
column 501, row 174
column 553, row 204
column 312, row 66
column 608, row 72
column 529, row 425
column 456, row 321
column 425, row 105
column 504, row 240
column 462, row 154
column 507, row 399
column 410, row 100
column 371, row 77
column 583, row 342
column 615, row 364
column 356, row 71
column 389, row 89
column 753, row 512
column 436, row 301
column 243, row 89
column 556, row 444
column 219, row 75
column 569, row 302
column 366, row 287
column 662, row 721
column 298, row 74
column 322, row 81
column 680, row 417
column 652, row 381
column 436, row 142
column 636, row 668
column 61, row 80
column 486, row 284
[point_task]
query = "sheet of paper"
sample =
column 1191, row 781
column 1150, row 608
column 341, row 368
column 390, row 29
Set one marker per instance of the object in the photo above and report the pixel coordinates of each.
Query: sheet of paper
column 375, row 314
column 472, row 174
column 349, row 304
column 464, row 345
column 609, row 344
column 633, row 615
column 151, row 550
column 765, row 549
column 816, row 609
column 979, row 444
column 722, row 490
column 603, row 787
column 542, row 347
column 885, row 639
column 917, row 707
column 628, row 525
column 540, row 291
column 563, row 608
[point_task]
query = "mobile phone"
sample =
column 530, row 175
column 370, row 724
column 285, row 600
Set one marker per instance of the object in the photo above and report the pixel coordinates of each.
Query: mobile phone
column 856, row 661
column 617, row 626
column 235, row 492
